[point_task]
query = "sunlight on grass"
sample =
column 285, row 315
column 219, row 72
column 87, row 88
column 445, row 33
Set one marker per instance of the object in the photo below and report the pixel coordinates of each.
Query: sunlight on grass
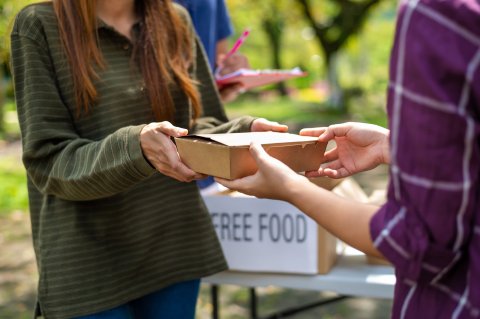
column 11, row 126
column 13, row 195
column 285, row 110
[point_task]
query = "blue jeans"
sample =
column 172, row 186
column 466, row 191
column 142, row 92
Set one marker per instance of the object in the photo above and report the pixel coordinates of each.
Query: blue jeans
column 177, row 301
column 204, row 183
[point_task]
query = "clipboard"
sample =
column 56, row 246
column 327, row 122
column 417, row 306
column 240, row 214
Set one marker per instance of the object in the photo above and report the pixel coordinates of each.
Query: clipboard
column 255, row 78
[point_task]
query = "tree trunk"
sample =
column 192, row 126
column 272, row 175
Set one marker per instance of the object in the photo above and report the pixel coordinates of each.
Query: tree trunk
column 346, row 23
column 273, row 28
column 336, row 97
column 2, row 101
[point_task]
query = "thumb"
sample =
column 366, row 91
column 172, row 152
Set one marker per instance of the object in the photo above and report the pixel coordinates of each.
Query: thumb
column 258, row 152
column 178, row 131
column 221, row 56
column 220, row 59
column 279, row 127
column 171, row 130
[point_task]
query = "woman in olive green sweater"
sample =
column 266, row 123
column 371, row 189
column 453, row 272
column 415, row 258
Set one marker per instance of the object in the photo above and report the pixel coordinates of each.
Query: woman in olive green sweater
column 119, row 228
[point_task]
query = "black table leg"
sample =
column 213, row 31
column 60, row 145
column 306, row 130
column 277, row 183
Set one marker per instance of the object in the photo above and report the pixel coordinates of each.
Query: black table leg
column 253, row 303
column 214, row 296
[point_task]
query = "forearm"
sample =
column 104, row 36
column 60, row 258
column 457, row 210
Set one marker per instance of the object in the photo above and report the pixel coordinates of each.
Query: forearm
column 346, row 219
column 222, row 48
column 86, row 170
column 386, row 148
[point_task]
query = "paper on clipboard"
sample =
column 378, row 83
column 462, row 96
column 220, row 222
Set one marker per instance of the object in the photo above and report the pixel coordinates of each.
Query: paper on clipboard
column 254, row 78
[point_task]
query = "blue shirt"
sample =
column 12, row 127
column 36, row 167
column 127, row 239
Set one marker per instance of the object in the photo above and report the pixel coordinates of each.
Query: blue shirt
column 211, row 21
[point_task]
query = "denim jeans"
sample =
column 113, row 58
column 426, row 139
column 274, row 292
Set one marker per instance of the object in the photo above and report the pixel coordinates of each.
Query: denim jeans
column 177, row 301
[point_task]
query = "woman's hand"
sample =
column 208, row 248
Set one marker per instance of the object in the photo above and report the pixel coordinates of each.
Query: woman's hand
column 229, row 64
column 272, row 180
column 230, row 92
column 263, row 125
column 359, row 147
column 162, row 153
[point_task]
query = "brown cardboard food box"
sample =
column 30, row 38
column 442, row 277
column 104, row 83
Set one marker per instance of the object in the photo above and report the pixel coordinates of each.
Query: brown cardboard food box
column 228, row 155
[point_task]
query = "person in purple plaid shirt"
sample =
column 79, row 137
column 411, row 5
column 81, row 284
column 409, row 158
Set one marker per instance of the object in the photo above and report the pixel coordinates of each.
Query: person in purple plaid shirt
column 429, row 228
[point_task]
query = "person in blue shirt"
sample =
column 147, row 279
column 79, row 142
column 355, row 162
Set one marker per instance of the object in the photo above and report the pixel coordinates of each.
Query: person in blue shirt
column 213, row 25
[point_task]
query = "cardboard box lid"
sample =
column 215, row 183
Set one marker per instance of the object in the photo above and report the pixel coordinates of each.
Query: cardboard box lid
column 228, row 155
column 264, row 138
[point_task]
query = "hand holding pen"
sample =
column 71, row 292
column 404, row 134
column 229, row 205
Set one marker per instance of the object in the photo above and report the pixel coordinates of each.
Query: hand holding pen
column 238, row 43
column 233, row 61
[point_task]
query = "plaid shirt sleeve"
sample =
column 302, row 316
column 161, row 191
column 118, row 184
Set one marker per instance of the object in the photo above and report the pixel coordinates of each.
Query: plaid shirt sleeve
column 426, row 225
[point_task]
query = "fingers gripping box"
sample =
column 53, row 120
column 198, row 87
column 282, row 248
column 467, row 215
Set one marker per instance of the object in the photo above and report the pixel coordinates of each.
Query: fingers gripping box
column 228, row 155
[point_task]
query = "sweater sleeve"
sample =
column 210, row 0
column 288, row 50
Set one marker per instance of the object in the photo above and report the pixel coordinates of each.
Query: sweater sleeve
column 58, row 161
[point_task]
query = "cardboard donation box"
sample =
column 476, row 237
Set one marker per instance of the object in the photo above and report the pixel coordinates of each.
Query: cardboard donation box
column 228, row 155
column 262, row 235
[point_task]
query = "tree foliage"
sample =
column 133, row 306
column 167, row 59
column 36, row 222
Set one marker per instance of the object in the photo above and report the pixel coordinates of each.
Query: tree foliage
column 8, row 9
column 333, row 31
column 287, row 24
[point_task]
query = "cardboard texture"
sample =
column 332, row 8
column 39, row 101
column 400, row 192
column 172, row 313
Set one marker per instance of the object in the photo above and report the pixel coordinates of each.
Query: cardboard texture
column 228, row 155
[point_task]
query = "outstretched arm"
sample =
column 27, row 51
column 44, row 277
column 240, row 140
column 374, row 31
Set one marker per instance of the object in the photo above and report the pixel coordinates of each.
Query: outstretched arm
column 277, row 181
column 230, row 64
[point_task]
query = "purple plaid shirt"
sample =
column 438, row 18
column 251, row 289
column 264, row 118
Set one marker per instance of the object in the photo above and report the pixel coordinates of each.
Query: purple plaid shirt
column 430, row 226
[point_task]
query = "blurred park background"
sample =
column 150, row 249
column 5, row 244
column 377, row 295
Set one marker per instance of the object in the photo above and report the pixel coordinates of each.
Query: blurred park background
column 344, row 46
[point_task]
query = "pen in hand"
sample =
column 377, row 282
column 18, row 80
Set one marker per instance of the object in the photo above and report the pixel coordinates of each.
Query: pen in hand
column 238, row 43
column 233, row 50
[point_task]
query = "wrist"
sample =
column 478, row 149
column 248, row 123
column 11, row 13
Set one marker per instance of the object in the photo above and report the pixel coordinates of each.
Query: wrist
column 254, row 124
column 295, row 189
column 386, row 149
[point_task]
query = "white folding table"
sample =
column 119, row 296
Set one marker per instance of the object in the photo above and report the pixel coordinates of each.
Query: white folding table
column 351, row 276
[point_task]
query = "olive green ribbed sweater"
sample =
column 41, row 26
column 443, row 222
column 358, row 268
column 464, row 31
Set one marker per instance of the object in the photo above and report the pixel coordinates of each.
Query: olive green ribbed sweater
column 107, row 228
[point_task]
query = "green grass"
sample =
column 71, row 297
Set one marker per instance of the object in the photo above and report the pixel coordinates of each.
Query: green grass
column 297, row 113
column 285, row 110
column 11, row 126
column 13, row 194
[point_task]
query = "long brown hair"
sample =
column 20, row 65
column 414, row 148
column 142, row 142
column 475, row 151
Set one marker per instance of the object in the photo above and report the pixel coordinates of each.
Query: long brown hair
column 162, row 49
